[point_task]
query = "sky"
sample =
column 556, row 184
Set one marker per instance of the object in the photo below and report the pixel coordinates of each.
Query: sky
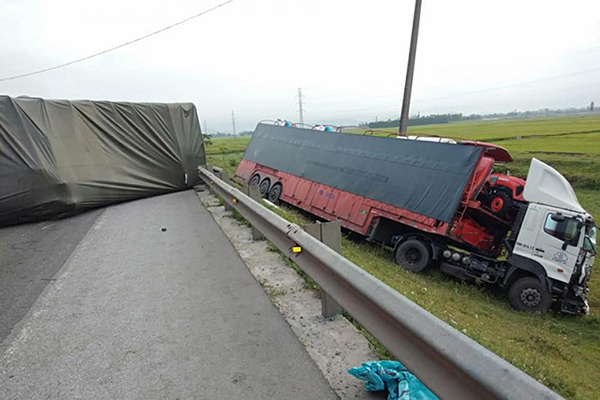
column 349, row 57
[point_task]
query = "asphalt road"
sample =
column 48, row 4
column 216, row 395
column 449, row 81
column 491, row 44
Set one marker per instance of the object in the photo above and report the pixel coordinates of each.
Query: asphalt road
column 30, row 256
column 154, row 303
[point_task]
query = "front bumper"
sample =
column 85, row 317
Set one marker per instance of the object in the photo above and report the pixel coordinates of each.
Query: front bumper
column 576, row 301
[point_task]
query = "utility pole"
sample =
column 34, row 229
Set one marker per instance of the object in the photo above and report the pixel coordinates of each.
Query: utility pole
column 300, row 106
column 205, row 128
column 233, row 122
column 410, row 70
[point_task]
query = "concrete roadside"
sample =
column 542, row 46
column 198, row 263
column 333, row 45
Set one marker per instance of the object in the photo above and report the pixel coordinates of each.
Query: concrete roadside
column 155, row 303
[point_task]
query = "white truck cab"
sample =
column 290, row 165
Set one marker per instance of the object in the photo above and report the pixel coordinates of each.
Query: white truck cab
column 556, row 243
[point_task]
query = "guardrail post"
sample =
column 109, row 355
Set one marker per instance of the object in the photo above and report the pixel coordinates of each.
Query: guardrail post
column 224, row 175
column 217, row 174
column 330, row 233
column 255, row 195
column 210, row 189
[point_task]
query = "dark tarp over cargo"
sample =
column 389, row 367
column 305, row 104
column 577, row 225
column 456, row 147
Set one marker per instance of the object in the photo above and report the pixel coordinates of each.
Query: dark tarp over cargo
column 423, row 177
column 58, row 156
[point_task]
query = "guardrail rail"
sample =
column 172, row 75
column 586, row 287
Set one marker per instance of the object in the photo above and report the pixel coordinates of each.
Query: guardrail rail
column 452, row 365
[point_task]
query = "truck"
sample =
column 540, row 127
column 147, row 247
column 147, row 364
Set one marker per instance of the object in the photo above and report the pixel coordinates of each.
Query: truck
column 437, row 203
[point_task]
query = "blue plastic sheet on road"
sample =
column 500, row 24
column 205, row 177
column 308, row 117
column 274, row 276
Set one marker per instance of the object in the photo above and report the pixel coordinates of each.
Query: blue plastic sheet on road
column 394, row 377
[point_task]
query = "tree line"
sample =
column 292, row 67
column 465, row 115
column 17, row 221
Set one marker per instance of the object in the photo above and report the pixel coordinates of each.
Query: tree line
column 431, row 119
column 423, row 120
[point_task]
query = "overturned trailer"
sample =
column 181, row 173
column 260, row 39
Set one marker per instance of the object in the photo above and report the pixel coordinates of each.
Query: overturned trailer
column 59, row 156
column 437, row 203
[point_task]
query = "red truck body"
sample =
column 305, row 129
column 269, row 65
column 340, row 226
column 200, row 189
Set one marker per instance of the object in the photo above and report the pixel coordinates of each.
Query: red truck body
column 354, row 212
column 474, row 225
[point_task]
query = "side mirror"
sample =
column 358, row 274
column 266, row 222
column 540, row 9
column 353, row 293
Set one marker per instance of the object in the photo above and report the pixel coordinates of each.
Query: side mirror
column 588, row 245
column 558, row 217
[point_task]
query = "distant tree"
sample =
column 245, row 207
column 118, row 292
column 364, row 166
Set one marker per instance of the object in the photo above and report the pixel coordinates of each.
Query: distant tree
column 207, row 139
column 423, row 120
column 431, row 119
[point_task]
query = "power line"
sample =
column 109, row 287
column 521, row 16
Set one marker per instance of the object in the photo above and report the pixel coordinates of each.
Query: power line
column 358, row 100
column 452, row 96
column 116, row 47
column 460, row 93
column 586, row 50
column 512, row 85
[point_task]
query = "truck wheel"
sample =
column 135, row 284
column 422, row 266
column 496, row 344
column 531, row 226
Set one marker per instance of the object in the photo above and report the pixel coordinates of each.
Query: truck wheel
column 263, row 189
column 413, row 255
column 274, row 193
column 529, row 294
column 500, row 204
column 255, row 180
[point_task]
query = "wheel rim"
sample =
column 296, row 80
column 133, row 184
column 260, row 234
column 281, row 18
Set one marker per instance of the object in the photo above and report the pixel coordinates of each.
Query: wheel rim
column 264, row 187
column 497, row 204
column 274, row 193
column 413, row 256
column 254, row 180
column 531, row 297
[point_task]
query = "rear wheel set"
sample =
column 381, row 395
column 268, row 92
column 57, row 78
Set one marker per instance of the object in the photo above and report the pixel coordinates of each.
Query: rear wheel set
column 263, row 185
column 413, row 255
column 266, row 190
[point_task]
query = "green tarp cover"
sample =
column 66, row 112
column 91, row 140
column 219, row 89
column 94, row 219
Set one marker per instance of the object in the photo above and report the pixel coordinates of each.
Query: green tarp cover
column 59, row 156
column 423, row 177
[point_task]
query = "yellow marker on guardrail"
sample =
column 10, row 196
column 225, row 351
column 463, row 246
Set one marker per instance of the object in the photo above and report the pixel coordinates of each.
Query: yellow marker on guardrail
column 296, row 249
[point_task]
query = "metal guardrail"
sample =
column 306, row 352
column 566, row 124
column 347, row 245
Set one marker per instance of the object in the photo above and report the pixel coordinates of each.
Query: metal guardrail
column 453, row 366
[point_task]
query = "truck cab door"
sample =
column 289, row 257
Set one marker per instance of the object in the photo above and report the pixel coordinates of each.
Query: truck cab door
column 529, row 231
column 557, row 246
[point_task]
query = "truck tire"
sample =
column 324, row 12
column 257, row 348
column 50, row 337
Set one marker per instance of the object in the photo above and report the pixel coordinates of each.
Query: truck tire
column 255, row 180
column 264, row 187
column 413, row 255
column 274, row 193
column 500, row 204
column 529, row 294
